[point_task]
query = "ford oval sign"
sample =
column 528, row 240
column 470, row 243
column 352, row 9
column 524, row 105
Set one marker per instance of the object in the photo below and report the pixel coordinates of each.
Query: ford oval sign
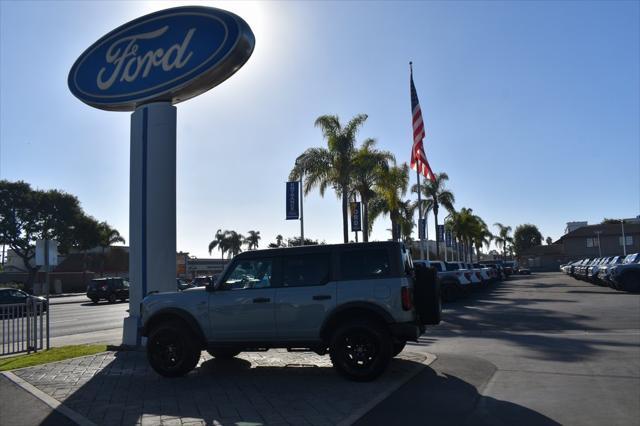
column 170, row 55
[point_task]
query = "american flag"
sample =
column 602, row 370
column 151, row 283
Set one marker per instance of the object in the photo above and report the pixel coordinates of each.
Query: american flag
column 418, row 157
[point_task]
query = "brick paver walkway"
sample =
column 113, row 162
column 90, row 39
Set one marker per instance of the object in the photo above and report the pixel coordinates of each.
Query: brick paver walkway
column 274, row 387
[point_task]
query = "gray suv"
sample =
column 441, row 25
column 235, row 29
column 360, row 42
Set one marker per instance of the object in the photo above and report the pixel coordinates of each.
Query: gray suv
column 360, row 303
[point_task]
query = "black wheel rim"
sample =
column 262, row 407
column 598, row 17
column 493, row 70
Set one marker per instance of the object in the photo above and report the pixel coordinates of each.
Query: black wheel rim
column 167, row 350
column 360, row 349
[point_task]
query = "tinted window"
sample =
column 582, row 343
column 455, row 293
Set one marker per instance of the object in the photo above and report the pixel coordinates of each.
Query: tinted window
column 362, row 264
column 305, row 270
column 452, row 267
column 437, row 266
column 246, row 274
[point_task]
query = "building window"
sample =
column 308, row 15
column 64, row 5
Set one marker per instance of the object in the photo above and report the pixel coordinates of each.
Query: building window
column 592, row 242
column 628, row 240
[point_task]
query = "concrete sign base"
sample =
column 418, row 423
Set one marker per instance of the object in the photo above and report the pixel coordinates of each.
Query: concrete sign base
column 152, row 208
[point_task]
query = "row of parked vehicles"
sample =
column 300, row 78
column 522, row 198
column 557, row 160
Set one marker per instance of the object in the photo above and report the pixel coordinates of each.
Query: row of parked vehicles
column 618, row 272
column 458, row 279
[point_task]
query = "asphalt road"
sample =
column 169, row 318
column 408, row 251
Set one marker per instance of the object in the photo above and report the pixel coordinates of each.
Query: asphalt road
column 76, row 320
column 544, row 349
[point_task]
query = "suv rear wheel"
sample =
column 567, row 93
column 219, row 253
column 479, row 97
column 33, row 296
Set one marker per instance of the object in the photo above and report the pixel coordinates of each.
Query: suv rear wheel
column 360, row 350
column 172, row 350
column 223, row 353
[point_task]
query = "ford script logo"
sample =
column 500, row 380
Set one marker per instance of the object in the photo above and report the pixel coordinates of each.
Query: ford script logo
column 171, row 55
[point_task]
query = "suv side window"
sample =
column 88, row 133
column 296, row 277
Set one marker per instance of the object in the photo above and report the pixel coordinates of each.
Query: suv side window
column 305, row 270
column 247, row 274
column 363, row 264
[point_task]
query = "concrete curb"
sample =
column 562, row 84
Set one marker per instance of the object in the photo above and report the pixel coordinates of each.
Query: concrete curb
column 50, row 401
column 360, row 412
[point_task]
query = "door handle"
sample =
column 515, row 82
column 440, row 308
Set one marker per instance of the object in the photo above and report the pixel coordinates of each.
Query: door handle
column 321, row 297
column 261, row 300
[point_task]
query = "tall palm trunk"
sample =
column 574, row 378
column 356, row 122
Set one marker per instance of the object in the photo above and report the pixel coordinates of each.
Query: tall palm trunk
column 345, row 213
column 435, row 216
column 395, row 235
column 365, row 219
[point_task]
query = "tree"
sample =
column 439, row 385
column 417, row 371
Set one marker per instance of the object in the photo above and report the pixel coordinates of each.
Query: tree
column 549, row 241
column 438, row 195
column 526, row 236
column 503, row 238
column 481, row 236
column 218, row 242
column 407, row 210
column 366, row 164
column 107, row 237
column 331, row 166
column 233, row 242
column 391, row 187
column 27, row 215
column 252, row 240
column 295, row 242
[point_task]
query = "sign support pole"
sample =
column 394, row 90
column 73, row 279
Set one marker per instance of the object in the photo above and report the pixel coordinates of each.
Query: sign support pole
column 152, row 209
column 420, row 214
column 301, row 211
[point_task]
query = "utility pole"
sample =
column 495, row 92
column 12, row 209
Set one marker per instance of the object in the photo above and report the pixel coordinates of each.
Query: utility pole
column 599, row 249
column 301, row 211
column 624, row 240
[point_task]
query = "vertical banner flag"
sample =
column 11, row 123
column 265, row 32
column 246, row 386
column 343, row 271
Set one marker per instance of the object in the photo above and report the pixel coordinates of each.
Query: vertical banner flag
column 356, row 218
column 421, row 228
column 440, row 231
column 293, row 194
column 418, row 156
column 447, row 237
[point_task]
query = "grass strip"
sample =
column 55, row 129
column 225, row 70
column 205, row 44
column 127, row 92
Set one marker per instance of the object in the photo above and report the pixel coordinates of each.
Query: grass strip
column 51, row 355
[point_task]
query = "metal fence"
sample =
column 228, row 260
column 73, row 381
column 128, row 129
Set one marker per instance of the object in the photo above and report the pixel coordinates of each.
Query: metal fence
column 25, row 327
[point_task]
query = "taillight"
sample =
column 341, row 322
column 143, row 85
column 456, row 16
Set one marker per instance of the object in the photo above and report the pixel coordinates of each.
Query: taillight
column 405, row 294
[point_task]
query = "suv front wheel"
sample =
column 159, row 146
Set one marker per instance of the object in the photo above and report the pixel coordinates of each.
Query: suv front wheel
column 172, row 350
column 361, row 350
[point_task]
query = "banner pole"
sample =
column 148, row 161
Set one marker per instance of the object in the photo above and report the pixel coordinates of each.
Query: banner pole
column 301, row 212
column 420, row 212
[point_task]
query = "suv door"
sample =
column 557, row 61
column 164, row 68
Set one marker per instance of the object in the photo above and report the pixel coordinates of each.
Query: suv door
column 305, row 295
column 242, row 308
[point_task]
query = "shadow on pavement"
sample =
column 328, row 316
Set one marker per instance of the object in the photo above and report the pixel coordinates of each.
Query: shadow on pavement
column 449, row 393
column 257, row 390
column 495, row 313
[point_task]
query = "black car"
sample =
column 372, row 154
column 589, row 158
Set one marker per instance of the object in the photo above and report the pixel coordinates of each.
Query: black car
column 110, row 289
column 12, row 296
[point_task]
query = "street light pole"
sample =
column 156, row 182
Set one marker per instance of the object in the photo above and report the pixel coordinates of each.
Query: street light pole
column 599, row 249
column 624, row 240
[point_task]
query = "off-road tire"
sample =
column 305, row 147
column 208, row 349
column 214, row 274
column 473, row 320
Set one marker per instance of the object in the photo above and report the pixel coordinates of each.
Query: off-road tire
column 95, row 301
column 361, row 349
column 398, row 347
column 112, row 298
column 172, row 349
column 223, row 353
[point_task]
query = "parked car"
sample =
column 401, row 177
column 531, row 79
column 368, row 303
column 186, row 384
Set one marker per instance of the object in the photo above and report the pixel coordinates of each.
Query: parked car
column 602, row 277
column 13, row 296
column 202, row 281
column 110, row 289
column 453, row 283
column 359, row 303
column 182, row 285
column 626, row 276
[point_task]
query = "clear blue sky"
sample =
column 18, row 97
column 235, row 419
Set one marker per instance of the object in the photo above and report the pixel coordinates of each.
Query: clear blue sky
column 532, row 108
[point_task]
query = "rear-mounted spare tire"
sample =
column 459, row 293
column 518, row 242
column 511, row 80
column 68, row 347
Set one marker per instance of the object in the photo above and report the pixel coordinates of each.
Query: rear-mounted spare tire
column 427, row 296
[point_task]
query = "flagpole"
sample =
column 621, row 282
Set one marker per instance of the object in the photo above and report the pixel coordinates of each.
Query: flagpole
column 420, row 236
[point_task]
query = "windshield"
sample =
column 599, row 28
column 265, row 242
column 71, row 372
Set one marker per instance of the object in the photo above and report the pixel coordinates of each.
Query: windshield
column 452, row 267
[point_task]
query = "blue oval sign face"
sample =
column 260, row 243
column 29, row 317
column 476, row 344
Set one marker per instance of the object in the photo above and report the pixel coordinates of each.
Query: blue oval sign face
column 170, row 55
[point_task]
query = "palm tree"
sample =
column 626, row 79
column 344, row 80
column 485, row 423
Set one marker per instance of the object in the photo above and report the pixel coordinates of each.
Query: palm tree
column 366, row 162
column 503, row 238
column 252, row 240
column 219, row 242
column 331, row 166
column 233, row 242
column 462, row 224
column 407, row 210
column 439, row 196
column 107, row 237
column 481, row 236
column 391, row 187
